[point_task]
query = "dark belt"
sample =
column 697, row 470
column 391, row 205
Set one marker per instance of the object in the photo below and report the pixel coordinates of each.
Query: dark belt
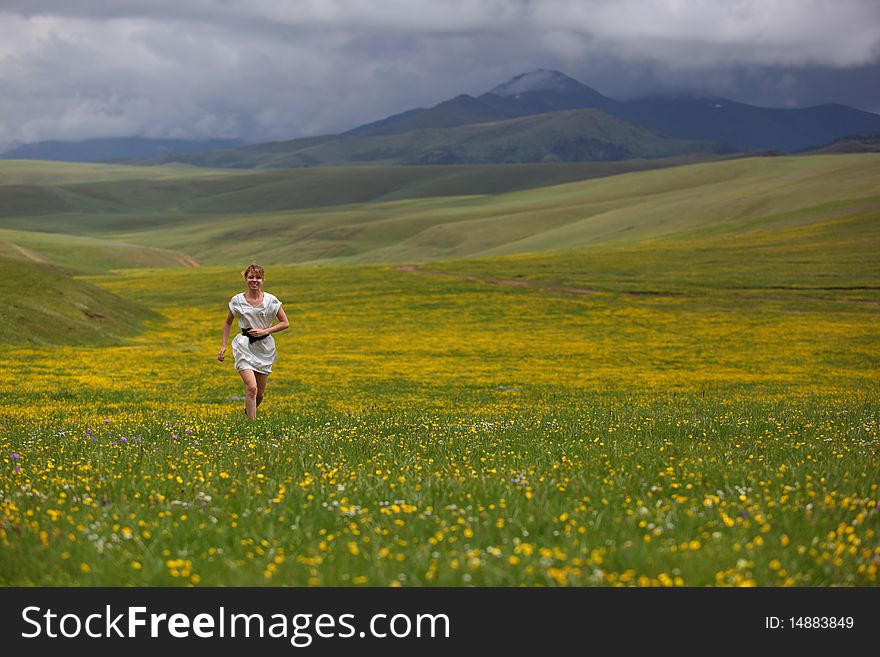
column 252, row 339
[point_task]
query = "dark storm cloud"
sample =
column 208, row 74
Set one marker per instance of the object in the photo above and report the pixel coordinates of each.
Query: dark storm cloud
column 270, row 69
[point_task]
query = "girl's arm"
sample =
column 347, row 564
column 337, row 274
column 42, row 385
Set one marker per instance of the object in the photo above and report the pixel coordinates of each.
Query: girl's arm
column 226, row 326
column 282, row 322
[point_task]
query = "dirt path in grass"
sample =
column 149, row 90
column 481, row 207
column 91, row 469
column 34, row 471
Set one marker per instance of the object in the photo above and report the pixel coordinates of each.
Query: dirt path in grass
column 556, row 287
column 186, row 260
column 33, row 257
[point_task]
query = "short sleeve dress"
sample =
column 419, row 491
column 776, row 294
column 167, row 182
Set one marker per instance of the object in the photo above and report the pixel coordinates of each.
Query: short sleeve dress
column 259, row 355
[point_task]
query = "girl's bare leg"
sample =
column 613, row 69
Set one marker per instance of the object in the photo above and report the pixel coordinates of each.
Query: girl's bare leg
column 250, row 392
column 261, row 385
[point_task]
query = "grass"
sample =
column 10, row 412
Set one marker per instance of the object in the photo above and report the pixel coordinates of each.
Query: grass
column 690, row 493
column 77, row 253
column 420, row 214
column 45, row 307
column 695, row 407
column 435, row 430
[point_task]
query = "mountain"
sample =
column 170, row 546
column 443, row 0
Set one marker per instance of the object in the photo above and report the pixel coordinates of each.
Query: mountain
column 585, row 126
column 583, row 135
column 746, row 126
column 737, row 125
column 543, row 91
column 527, row 94
column 113, row 149
column 542, row 116
column 461, row 110
column 664, row 124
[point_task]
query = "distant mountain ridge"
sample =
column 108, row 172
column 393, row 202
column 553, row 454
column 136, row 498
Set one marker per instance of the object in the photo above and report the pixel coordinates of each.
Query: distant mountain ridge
column 582, row 135
column 748, row 127
column 665, row 125
column 114, row 149
column 737, row 125
column 433, row 135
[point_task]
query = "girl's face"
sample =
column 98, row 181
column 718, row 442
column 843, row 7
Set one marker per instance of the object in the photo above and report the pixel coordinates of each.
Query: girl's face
column 254, row 280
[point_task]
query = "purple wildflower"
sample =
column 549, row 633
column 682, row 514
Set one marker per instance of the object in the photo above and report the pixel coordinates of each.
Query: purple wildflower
column 15, row 456
column 123, row 439
column 173, row 436
column 16, row 468
column 189, row 432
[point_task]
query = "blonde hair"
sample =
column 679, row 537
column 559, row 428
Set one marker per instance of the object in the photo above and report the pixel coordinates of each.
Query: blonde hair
column 254, row 267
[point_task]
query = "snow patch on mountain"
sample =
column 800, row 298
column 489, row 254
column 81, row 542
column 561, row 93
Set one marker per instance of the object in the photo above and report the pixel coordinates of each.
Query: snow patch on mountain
column 540, row 80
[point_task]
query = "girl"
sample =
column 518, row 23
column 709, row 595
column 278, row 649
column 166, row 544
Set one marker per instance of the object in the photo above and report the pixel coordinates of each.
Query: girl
column 254, row 349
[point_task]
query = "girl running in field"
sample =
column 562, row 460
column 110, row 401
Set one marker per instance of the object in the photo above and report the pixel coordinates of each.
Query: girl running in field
column 254, row 349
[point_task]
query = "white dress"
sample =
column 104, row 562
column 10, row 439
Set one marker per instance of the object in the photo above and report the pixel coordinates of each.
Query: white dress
column 260, row 354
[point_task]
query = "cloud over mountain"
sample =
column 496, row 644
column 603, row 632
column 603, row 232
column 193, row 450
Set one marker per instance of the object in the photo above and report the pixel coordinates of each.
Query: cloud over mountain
column 262, row 69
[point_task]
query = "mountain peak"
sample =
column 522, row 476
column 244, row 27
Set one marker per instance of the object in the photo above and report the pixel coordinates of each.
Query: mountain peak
column 538, row 80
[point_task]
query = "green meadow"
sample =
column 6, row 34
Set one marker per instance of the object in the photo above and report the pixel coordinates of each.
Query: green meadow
column 540, row 375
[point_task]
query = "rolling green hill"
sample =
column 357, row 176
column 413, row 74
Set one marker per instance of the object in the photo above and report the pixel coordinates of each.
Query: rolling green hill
column 52, row 308
column 38, row 172
column 77, row 253
column 228, row 219
column 98, row 199
column 849, row 145
column 717, row 200
column 583, row 135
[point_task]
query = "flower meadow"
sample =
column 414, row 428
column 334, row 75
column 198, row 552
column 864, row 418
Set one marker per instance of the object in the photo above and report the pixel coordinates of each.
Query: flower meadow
column 444, row 431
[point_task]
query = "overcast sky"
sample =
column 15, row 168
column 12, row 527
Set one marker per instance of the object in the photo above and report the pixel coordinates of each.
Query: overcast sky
column 277, row 69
